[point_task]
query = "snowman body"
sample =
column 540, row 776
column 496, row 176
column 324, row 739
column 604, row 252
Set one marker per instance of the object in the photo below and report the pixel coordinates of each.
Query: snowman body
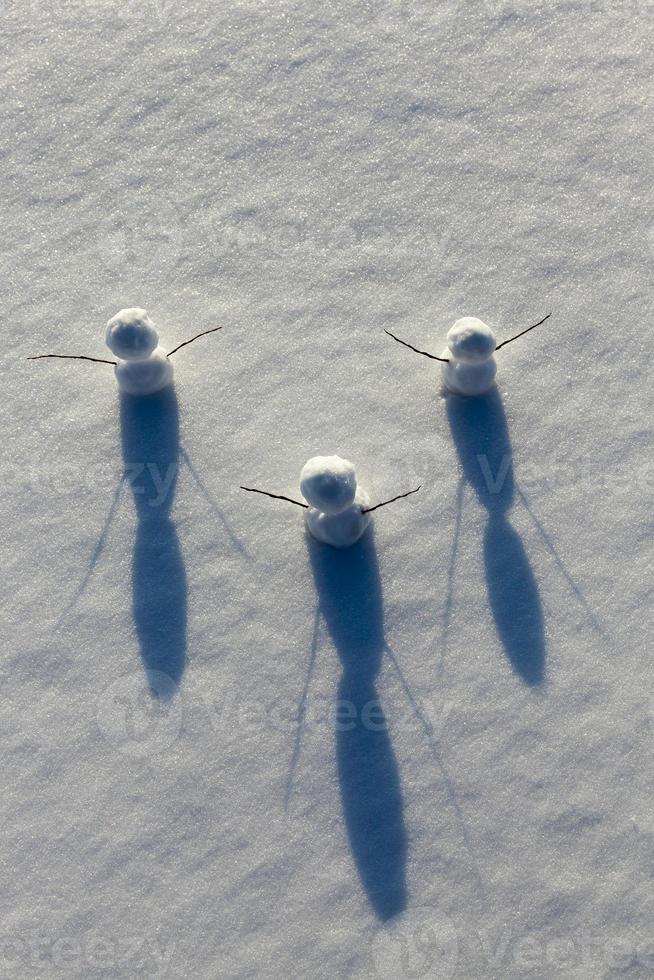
column 336, row 513
column 142, row 366
column 471, row 366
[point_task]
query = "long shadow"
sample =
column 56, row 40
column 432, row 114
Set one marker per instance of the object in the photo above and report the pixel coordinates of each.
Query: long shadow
column 350, row 597
column 481, row 436
column 151, row 450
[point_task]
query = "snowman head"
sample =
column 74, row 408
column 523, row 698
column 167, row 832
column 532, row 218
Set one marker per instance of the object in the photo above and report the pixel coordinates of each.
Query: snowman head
column 131, row 335
column 471, row 340
column 328, row 483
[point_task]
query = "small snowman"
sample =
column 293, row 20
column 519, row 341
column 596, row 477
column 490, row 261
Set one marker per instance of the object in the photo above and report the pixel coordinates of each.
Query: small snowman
column 468, row 362
column 142, row 366
column 337, row 509
column 469, row 367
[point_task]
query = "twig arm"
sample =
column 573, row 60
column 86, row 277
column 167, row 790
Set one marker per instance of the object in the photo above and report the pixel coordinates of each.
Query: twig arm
column 369, row 510
column 276, row 496
column 186, row 342
column 432, row 357
column 71, row 357
column 522, row 333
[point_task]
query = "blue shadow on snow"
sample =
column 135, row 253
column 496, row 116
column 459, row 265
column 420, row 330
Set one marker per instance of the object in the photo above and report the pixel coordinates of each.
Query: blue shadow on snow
column 481, row 436
column 151, row 454
column 350, row 601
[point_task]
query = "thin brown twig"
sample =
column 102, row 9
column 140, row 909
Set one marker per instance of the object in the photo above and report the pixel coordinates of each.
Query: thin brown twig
column 369, row 510
column 424, row 353
column 522, row 333
column 203, row 334
column 72, row 357
column 276, row 496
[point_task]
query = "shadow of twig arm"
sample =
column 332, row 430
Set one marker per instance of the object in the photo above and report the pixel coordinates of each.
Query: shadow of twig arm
column 97, row 551
column 297, row 746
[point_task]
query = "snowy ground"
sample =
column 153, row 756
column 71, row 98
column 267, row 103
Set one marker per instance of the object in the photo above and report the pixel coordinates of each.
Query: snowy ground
column 308, row 174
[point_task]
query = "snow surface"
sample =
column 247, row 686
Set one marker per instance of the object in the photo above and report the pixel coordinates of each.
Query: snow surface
column 308, row 174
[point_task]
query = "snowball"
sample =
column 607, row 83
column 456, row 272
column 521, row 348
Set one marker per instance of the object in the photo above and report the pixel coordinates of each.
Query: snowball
column 143, row 377
column 468, row 379
column 470, row 340
column 343, row 529
column 328, row 483
column 131, row 335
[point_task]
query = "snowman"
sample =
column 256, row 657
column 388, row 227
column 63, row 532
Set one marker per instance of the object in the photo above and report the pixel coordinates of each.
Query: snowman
column 337, row 509
column 142, row 366
column 468, row 362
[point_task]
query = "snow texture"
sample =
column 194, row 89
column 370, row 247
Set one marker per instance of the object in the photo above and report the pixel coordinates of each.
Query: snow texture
column 184, row 791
